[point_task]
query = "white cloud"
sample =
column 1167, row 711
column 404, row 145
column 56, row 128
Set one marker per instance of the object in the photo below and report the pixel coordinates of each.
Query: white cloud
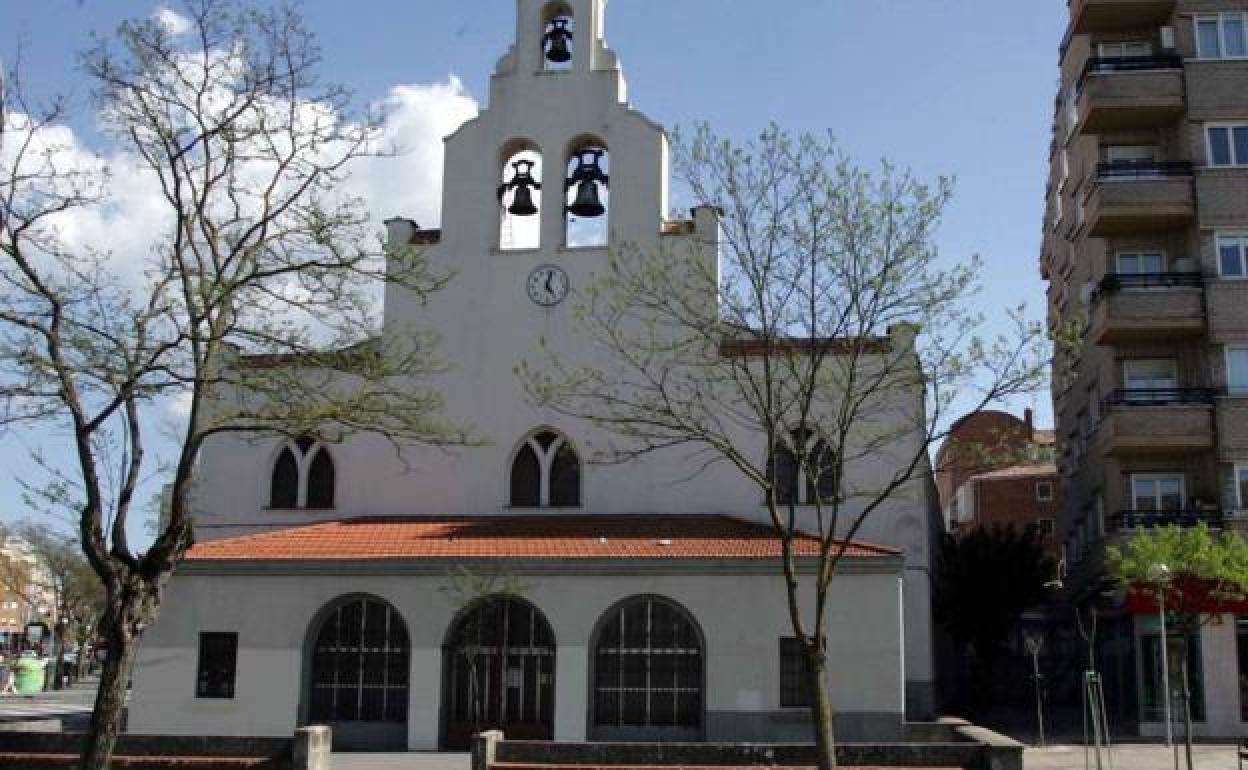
column 134, row 215
column 171, row 20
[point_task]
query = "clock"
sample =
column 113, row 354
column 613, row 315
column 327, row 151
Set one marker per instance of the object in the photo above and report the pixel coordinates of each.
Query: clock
column 547, row 285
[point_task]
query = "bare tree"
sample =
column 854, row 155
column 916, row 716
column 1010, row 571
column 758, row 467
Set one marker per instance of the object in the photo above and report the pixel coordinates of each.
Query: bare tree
column 796, row 355
column 253, row 309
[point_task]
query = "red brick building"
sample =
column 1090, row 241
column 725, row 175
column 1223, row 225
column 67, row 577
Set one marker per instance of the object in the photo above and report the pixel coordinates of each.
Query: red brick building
column 995, row 468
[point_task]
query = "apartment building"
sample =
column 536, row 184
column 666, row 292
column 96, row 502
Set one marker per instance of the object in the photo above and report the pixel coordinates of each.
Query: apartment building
column 1145, row 249
column 995, row 469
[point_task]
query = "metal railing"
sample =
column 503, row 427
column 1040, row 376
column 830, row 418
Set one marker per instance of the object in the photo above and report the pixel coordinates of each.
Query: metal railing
column 1097, row 65
column 1159, row 396
column 1115, row 281
column 1142, row 169
column 1148, row 519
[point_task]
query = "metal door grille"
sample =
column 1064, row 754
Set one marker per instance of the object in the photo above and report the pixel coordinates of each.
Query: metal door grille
column 360, row 665
column 648, row 668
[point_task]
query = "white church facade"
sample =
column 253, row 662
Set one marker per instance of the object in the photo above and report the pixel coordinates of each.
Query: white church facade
column 633, row 601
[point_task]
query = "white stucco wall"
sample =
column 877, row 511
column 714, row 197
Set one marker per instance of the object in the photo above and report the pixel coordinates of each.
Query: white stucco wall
column 487, row 326
column 272, row 613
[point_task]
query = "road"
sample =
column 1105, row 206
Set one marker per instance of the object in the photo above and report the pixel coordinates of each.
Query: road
column 71, row 706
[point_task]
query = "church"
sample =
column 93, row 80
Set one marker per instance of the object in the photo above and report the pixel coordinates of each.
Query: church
column 408, row 601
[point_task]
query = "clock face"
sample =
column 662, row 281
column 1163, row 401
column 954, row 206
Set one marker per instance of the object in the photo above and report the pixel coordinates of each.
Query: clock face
column 547, row 285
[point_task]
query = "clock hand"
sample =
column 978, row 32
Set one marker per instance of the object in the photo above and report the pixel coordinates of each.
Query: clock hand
column 550, row 289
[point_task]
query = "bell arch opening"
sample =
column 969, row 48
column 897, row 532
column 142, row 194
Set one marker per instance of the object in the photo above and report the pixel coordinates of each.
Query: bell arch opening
column 520, row 196
column 498, row 672
column 587, row 193
column 356, row 673
column 558, row 37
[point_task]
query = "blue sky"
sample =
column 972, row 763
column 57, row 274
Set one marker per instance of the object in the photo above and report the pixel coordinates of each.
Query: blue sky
column 957, row 87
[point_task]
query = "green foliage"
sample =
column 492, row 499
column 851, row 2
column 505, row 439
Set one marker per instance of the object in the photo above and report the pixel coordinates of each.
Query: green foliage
column 986, row 579
column 1216, row 562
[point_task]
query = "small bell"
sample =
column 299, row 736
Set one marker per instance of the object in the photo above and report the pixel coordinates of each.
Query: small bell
column 523, row 183
column 587, row 176
column 557, row 40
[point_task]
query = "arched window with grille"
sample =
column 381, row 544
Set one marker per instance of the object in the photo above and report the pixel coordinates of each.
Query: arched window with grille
column 303, row 476
column 545, row 472
column 648, row 677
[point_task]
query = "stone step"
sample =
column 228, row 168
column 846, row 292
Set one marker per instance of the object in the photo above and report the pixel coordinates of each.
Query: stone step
column 24, row 761
column 531, row 766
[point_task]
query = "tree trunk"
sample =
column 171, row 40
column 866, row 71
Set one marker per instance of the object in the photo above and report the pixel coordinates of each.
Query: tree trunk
column 58, row 661
column 110, row 699
column 821, row 708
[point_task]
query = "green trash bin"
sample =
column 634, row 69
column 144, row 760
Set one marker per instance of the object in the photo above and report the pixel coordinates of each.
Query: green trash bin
column 28, row 674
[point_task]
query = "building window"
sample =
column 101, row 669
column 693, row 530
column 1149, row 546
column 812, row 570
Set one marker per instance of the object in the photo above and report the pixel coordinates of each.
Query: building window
column 795, row 676
column 1232, row 255
column 1151, row 702
column 1143, row 262
column 1222, row 36
column 1044, row 491
column 1131, row 153
column 1143, row 376
column 1228, row 144
column 795, row 483
column 1045, row 527
column 1157, row 492
column 1241, row 486
column 546, row 472
column 648, row 667
column 303, row 476
column 1124, row 49
column 218, row 656
column 1237, row 371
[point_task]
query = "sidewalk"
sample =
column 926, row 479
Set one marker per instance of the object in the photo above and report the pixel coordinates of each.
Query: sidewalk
column 1131, row 757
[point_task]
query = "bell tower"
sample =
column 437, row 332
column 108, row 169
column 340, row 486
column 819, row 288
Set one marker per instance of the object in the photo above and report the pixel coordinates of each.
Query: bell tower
column 558, row 161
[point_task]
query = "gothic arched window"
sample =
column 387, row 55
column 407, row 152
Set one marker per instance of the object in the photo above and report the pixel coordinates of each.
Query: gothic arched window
column 520, row 196
column 285, row 485
column 805, row 482
column 546, row 473
column 303, row 476
column 587, row 197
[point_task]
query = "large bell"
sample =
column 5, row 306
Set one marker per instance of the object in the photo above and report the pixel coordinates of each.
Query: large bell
column 523, row 183
column 587, row 203
column 587, row 176
column 522, row 203
column 557, row 40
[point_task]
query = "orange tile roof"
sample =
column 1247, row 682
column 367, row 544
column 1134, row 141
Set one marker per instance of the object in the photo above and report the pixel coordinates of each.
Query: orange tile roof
column 521, row 537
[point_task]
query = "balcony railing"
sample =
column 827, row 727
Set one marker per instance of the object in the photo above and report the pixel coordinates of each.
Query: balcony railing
column 1160, row 397
column 1098, row 65
column 1149, row 519
column 1116, row 281
column 1142, row 169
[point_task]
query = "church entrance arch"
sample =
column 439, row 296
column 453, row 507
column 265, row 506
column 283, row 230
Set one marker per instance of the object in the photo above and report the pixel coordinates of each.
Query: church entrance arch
column 357, row 674
column 498, row 673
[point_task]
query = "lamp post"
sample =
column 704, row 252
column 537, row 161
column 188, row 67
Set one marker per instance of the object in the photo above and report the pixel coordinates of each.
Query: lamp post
column 1160, row 574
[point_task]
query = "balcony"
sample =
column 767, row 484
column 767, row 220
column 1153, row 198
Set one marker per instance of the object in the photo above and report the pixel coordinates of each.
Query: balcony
column 1117, row 93
column 1088, row 16
column 1157, row 421
column 1148, row 306
column 1127, row 520
column 1139, row 196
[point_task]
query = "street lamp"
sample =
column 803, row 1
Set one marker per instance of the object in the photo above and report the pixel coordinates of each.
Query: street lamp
column 1159, row 573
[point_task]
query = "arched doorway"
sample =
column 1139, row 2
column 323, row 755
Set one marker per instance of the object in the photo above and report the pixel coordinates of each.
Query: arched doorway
column 648, row 680
column 499, row 673
column 357, row 676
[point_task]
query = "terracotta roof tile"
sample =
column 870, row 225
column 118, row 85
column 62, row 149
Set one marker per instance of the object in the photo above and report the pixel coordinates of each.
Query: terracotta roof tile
column 524, row 537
